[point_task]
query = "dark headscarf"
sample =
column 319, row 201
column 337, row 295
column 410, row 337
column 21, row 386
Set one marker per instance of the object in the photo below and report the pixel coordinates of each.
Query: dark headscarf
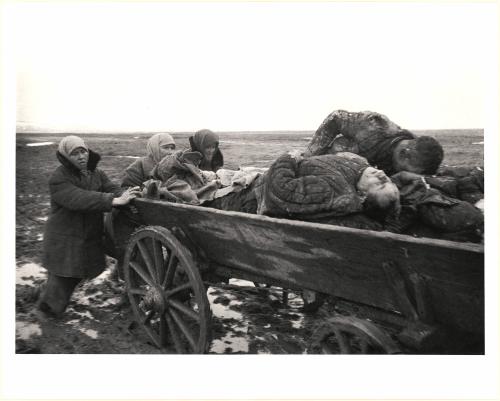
column 200, row 141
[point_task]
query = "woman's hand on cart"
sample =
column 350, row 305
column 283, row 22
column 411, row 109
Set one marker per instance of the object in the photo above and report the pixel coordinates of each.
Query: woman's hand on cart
column 127, row 196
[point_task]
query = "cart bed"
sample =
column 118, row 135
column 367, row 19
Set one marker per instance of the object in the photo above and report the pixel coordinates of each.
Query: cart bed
column 380, row 269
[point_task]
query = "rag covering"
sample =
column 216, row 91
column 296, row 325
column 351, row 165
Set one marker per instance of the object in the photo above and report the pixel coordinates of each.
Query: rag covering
column 178, row 179
column 320, row 189
column 140, row 170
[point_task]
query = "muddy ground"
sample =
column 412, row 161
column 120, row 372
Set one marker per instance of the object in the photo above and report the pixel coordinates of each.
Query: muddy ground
column 246, row 320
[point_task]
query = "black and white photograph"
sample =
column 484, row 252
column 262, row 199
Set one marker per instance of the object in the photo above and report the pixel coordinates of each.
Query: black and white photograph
column 250, row 199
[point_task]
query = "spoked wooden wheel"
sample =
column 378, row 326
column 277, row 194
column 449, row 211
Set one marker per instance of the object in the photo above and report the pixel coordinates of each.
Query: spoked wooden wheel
column 166, row 292
column 350, row 335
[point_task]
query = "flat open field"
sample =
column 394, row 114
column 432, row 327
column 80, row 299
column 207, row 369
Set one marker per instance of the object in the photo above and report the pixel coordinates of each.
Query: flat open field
column 96, row 322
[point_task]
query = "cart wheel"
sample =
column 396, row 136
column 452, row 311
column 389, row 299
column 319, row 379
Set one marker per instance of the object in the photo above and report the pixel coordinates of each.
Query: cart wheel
column 350, row 335
column 166, row 292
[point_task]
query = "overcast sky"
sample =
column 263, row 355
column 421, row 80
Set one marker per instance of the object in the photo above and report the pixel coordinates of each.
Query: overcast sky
column 250, row 66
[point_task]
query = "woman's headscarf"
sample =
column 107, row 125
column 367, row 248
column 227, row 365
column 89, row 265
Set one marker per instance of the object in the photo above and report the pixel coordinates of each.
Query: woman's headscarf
column 69, row 143
column 204, row 138
column 200, row 141
column 154, row 144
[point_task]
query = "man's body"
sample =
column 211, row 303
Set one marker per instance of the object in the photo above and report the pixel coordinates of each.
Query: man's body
column 325, row 185
column 383, row 143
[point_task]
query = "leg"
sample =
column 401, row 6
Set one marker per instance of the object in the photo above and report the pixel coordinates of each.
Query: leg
column 124, row 224
column 57, row 294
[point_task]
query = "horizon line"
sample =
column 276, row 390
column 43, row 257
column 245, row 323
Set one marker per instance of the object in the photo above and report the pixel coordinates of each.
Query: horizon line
column 217, row 131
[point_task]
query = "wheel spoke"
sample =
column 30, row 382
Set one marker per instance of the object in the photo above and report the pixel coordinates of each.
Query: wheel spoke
column 326, row 348
column 285, row 297
column 158, row 260
column 147, row 259
column 343, row 342
column 171, row 268
column 163, row 330
column 184, row 309
column 138, row 291
column 364, row 346
column 140, row 271
column 185, row 330
column 180, row 288
column 174, row 334
column 163, row 284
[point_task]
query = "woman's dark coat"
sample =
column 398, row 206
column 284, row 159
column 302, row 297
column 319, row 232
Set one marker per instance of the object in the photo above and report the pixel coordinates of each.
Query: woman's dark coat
column 73, row 238
column 138, row 172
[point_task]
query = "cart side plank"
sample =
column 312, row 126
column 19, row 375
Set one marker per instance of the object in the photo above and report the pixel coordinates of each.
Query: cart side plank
column 339, row 261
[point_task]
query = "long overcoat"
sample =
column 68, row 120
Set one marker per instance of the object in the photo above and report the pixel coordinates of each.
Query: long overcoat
column 73, row 238
column 138, row 172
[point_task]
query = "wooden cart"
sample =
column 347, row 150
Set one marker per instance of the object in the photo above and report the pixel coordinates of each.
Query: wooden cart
column 432, row 291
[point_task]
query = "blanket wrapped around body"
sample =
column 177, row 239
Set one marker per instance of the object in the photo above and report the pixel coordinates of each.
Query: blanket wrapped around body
column 314, row 187
column 178, row 179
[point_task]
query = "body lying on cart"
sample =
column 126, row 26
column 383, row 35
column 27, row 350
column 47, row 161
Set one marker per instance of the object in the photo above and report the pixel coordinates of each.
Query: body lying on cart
column 431, row 290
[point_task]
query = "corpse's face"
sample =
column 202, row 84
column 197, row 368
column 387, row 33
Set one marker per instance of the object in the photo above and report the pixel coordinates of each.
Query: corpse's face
column 167, row 150
column 373, row 179
column 407, row 160
column 209, row 151
column 79, row 157
column 384, row 195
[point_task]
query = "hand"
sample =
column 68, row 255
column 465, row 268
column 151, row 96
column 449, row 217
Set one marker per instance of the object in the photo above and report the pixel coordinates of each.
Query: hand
column 296, row 154
column 405, row 177
column 126, row 196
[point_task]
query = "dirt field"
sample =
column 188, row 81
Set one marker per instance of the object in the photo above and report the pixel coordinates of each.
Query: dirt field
column 97, row 321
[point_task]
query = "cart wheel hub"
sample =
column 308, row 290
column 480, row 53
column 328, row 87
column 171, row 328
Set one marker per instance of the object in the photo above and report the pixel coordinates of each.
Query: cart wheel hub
column 154, row 300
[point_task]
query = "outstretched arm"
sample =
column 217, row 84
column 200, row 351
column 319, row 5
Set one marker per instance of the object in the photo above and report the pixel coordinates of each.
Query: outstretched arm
column 326, row 133
column 71, row 197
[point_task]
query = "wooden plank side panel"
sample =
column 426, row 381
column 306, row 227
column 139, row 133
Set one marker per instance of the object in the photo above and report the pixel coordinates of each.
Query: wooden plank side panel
column 457, row 306
column 336, row 260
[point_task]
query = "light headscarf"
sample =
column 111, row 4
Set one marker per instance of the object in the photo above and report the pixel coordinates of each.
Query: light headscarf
column 69, row 143
column 154, row 144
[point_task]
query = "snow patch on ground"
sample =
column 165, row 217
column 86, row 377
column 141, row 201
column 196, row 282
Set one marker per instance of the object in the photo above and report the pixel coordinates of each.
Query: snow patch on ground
column 39, row 144
column 234, row 340
column 127, row 157
column 26, row 330
column 89, row 332
column 241, row 142
column 27, row 273
column 230, row 342
column 104, row 276
column 86, row 314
